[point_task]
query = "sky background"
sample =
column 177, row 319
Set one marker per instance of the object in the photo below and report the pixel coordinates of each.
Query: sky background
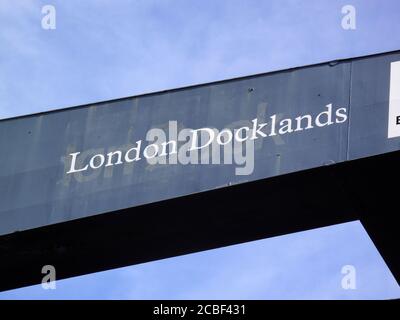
column 102, row 50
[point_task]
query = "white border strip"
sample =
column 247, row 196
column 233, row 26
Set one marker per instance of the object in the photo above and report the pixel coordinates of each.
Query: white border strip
column 394, row 101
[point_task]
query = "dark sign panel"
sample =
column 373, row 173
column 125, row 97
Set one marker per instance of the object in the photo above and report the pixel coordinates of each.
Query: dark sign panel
column 105, row 157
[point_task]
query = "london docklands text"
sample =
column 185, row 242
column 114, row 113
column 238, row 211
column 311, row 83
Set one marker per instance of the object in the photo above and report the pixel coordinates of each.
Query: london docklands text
column 203, row 145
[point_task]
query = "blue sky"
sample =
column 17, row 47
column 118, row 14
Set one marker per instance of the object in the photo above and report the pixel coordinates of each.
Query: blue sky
column 102, row 50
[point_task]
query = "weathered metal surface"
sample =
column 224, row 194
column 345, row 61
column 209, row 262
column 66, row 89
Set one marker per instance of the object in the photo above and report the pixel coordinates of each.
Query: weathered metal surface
column 369, row 107
column 36, row 190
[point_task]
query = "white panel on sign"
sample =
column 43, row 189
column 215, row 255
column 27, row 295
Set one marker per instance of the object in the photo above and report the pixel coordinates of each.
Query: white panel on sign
column 394, row 101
